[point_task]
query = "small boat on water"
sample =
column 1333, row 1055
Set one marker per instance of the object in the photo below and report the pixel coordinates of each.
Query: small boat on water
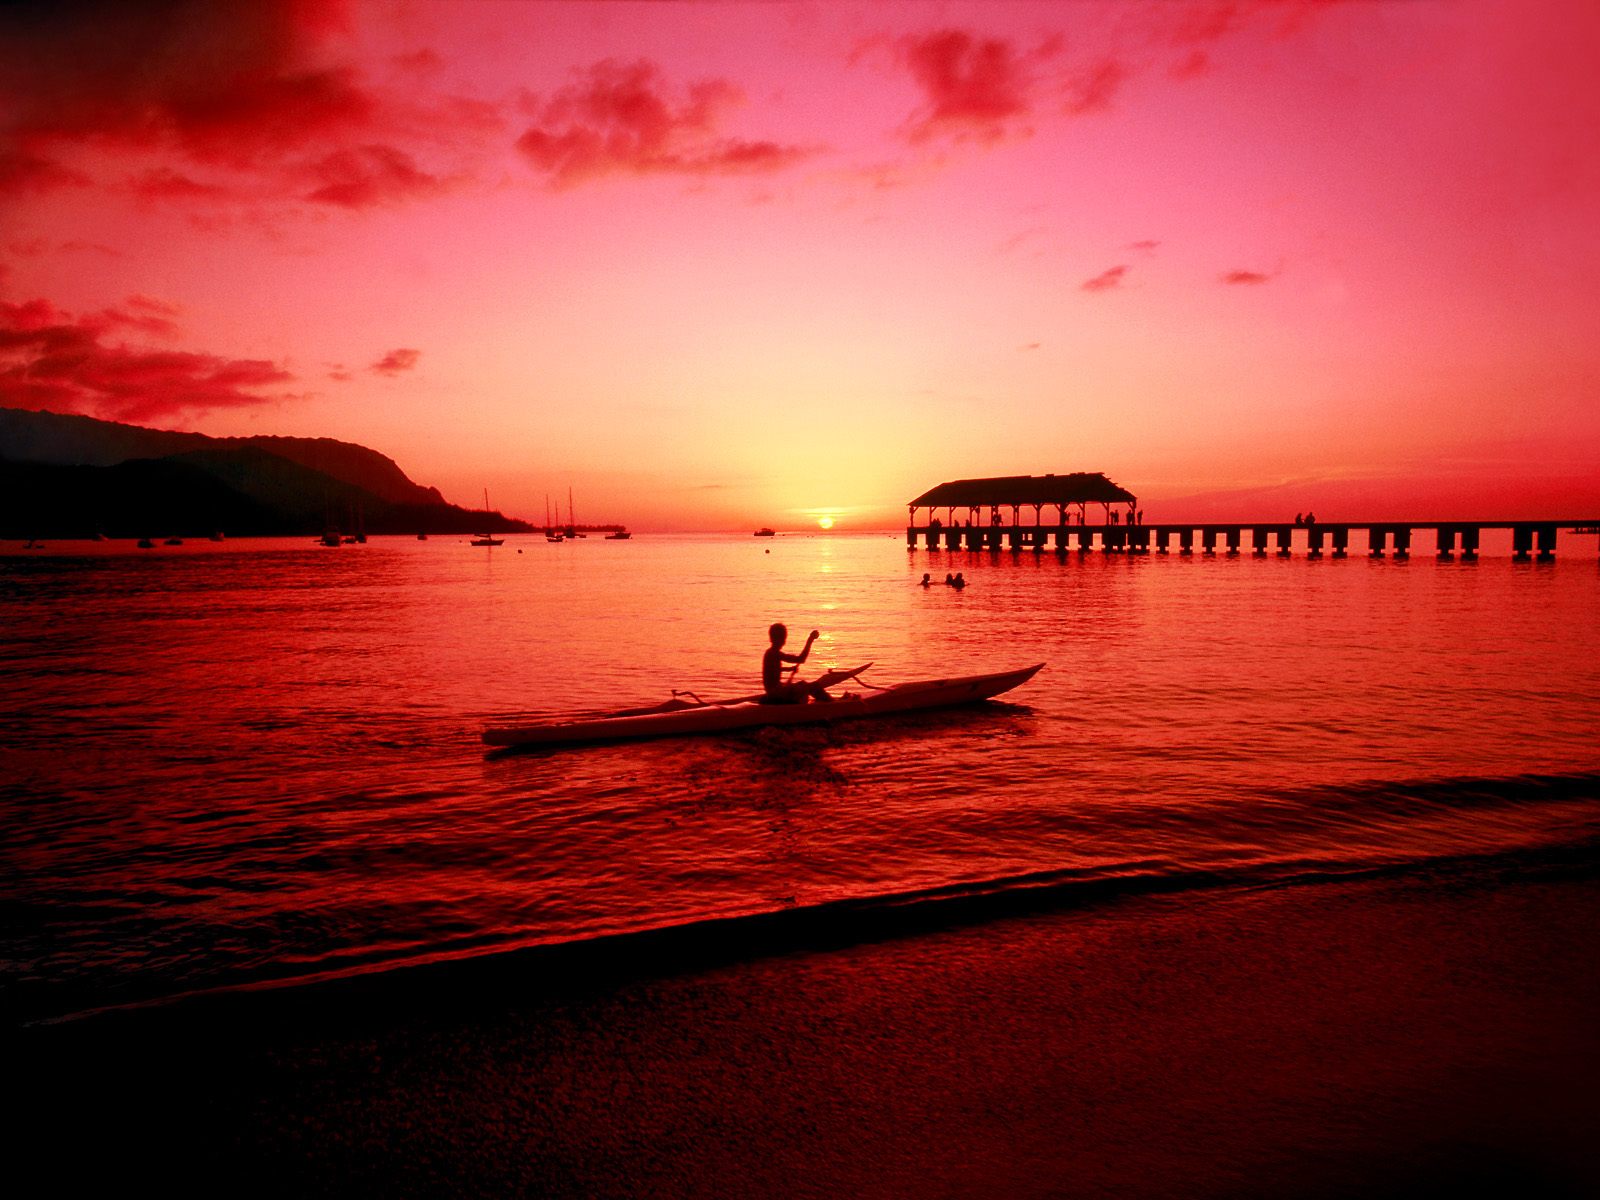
column 146, row 544
column 487, row 539
column 174, row 541
column 619, row 535
column 765, row 532
column 686, row 714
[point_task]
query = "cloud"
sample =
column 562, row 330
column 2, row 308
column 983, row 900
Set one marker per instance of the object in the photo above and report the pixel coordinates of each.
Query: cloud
column 619, row 119
column 1245, row 277
column 163, row 183
column 1147, row 246
column 422, row 62
column 144, row 314
column 1093, row 88
column 1106, row 280
column 1192, row 65
column 49, row 359
column 976, row 88
column 366, row 176
column 396, row 361
column 24, row 172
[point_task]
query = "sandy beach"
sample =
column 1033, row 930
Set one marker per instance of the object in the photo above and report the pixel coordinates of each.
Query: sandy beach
column 1423, row 1034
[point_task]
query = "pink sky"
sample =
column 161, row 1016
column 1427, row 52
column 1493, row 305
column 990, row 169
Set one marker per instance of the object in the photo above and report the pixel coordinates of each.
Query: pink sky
column 716, row 266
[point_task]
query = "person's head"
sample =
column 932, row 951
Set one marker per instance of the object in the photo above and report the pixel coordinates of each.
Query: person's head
column 779, row 633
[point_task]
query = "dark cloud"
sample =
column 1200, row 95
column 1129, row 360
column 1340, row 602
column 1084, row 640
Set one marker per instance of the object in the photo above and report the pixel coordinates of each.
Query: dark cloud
column 1245, row 277
column 227, row 83
column 974, row 87
column 228, row 104
column 49, row 359
column 618, row 118
column 1106, row 280
column 396, row 361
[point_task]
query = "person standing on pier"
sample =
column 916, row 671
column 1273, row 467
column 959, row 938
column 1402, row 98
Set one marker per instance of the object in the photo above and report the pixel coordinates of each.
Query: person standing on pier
column 773, row 688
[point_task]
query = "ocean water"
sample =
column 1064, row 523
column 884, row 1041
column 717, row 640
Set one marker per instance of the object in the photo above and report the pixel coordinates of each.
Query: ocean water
column 259, row 763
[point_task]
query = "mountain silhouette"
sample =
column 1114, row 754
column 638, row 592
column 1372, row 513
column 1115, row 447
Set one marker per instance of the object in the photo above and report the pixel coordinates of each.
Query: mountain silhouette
column 63, row 475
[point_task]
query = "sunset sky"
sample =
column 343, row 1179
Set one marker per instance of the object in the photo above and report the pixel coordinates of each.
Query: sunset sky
column 721, row 265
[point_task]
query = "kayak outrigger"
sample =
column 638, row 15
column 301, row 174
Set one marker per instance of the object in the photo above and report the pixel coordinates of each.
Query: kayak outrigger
column 687, row 714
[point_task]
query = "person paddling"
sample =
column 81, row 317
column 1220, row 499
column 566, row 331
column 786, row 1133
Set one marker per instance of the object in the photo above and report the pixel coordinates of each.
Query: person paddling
column 773, row 688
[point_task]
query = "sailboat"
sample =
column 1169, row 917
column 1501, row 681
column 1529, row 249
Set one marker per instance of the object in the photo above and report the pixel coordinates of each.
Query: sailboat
column 486, row 539
column 572, row 528
column 551, row 533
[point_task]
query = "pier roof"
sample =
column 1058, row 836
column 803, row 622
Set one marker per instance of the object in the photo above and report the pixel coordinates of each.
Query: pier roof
column 1080, row 487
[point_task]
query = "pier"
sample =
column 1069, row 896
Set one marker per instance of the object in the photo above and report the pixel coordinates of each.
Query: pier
column 1083, row 512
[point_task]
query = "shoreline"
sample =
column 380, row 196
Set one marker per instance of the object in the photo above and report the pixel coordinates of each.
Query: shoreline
column 1424, row 1032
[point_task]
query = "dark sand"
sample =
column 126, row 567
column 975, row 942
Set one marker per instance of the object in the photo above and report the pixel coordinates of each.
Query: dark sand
column 1432, row 1034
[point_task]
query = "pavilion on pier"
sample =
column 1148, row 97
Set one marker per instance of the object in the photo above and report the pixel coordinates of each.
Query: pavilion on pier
column 985, row 501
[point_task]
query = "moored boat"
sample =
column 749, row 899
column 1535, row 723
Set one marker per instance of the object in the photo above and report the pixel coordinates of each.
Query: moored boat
column 680, row 717
column 487, row 539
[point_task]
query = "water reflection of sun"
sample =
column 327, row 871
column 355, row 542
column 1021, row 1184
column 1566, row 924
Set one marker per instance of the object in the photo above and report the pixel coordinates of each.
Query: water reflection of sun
column 825, row 522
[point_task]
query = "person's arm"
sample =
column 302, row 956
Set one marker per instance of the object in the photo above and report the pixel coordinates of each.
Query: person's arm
column 797, row 659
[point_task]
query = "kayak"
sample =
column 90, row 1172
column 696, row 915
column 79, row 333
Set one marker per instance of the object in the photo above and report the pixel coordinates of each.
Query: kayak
column 681, row 717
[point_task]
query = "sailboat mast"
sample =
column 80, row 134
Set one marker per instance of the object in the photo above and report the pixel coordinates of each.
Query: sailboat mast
column 572, row 519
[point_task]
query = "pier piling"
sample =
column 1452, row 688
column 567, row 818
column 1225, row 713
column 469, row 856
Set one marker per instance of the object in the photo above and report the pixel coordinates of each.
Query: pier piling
column 1521, row 542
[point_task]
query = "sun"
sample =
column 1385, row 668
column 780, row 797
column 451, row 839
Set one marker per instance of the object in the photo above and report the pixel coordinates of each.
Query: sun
column 825, row 522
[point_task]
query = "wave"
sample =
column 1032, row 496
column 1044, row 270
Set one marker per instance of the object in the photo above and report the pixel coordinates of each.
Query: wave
column 1568, row 848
